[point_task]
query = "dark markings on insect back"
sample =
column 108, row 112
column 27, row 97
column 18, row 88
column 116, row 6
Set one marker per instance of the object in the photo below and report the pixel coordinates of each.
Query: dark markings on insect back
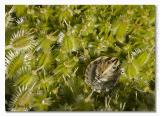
column 107, row 59
column 87, row 70
column 90, row 72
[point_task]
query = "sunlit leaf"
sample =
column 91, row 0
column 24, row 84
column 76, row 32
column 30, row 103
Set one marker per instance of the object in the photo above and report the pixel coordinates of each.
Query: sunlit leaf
column 131, row 70
column 142, row 58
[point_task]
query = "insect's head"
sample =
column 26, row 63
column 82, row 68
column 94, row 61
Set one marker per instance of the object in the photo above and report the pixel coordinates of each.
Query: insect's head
column 115, row 64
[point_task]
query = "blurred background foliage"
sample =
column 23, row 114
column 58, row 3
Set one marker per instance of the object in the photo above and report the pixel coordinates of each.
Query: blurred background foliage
column 49, row 47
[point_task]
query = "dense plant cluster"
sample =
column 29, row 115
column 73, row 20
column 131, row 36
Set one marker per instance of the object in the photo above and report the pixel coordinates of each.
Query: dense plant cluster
column 49, row 47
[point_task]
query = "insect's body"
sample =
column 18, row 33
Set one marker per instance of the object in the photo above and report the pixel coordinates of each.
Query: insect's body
column 102, row 73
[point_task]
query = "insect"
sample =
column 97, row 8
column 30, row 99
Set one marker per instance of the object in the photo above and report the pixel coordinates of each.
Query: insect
column 102, row 73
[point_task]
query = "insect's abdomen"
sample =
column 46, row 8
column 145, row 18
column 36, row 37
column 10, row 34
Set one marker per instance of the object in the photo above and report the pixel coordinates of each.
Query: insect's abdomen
column 90, row 73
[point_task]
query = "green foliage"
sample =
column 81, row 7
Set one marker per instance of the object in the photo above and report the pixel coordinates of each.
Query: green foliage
column 49, row 47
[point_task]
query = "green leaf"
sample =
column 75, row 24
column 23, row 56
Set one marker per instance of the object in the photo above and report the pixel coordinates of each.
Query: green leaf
column 131, row 70
column 44, row 59
column 121, row 31
column 21, row 101
column 20, row 10
column 46, row 42
column 22, row 40
column 24, row 77
column 41, row 102
column 67, row 45
column 75, row 43
column 8, row 18
column 14, row 61
column 142, row 58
